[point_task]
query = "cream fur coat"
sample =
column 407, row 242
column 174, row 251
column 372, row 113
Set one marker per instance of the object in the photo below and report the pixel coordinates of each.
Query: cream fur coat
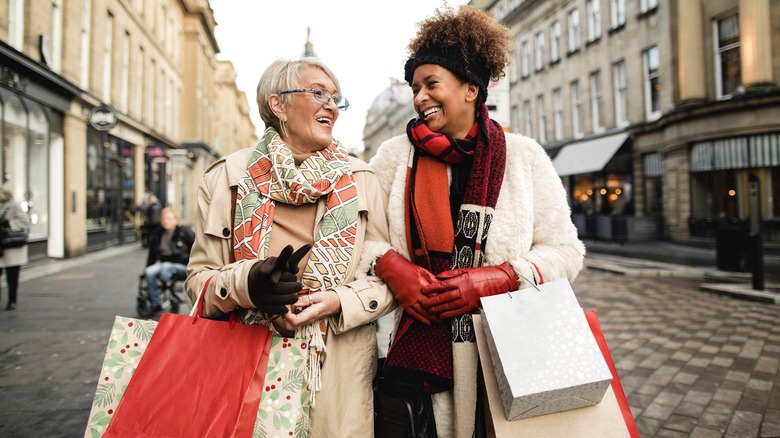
column 532, row 220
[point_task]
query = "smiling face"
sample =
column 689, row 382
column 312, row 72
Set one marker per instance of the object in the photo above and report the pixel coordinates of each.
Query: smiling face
column 308, row 122
column 445, row 103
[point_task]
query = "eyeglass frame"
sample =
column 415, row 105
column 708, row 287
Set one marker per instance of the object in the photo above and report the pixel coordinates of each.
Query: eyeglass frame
column 322, row 92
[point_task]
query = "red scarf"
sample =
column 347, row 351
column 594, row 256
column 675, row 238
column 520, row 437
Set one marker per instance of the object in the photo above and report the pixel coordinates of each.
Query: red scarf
column 436, row 244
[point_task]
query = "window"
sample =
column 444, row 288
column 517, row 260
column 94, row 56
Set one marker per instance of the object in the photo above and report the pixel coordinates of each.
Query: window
column 652, row 84
column 576, row 109
column 539, row 55
column 16, row 24
column 617, row 13
column 647, row 5
column 525, row 63
column 596, row 101
column 527, row 118
column 574, row 31
column 37, row 195
column 542, row 120
column 125, row 73
column 107, row 46
column 86, row 26
column 555, row 42
column 517, row 60
column 150, row 114
column 557, row 114
column 653, row 171
column 594, row 19
column 56, row 35
column 515, row 118
column 728, row 71
column 620, row 90
column 140, row 83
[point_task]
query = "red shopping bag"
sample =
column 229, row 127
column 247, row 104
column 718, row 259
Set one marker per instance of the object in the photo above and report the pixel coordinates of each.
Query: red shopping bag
column 198, row 377
column 617, row 387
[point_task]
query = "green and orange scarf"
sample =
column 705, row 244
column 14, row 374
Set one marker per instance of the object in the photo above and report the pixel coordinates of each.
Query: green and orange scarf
column 272, row 177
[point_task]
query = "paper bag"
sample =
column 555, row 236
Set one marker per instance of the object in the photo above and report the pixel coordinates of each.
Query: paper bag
column 604, row 420
column 543, row 352
column 127, row 342
column 197, row 377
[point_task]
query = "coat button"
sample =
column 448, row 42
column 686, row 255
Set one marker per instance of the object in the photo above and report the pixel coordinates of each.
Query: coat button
column 373, row 304
column 225, row 232
column 223, row 292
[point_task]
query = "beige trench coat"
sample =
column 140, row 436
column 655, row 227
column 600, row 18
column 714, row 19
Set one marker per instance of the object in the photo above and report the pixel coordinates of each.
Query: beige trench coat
column 344, row 405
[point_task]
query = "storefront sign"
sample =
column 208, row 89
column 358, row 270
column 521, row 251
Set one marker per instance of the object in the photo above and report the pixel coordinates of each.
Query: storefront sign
column 13, row 80
column 102, row 117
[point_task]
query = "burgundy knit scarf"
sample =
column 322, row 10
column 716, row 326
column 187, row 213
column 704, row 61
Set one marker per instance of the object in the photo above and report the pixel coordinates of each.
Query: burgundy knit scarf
column 437, row 244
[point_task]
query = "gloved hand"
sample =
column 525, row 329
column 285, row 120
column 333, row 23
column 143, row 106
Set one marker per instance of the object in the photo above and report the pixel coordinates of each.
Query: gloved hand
column 459, row 290
column 406, row 279
column 272, row 282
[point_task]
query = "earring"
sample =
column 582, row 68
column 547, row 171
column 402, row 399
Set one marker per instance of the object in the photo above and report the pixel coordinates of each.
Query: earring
column 281, row 125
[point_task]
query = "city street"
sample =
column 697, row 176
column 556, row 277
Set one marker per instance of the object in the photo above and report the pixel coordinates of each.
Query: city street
column 692, row 363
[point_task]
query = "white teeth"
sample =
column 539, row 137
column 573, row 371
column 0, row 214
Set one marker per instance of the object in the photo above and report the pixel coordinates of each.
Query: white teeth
column 323, row 120
column 430, row 111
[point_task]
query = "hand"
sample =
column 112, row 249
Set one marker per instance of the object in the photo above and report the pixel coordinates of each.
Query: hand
column 405, row 280
column 459, row 290
column 273, row 283
column 311, row 308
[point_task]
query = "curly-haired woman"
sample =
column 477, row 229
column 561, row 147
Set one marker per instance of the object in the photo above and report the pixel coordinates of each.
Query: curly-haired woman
column 473, row 211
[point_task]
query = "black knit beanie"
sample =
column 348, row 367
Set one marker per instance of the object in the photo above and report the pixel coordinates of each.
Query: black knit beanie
column 469, row 69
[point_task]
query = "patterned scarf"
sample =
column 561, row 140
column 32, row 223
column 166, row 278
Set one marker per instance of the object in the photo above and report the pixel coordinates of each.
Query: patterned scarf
column 272, row 177
column 436, row 244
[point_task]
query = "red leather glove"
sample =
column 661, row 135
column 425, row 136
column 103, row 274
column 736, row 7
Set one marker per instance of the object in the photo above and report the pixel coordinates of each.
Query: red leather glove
column 405, row 280
column 459, row 290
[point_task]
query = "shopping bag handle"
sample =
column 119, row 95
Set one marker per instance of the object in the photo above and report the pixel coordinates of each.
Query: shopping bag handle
column 233, row 319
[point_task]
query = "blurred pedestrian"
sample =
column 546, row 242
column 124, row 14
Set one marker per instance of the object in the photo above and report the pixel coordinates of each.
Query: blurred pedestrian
column 151, row 209
column 12, row 217
column 169, row 252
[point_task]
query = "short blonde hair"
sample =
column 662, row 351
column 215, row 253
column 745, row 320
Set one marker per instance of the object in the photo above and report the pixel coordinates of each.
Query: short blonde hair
column 285, row 74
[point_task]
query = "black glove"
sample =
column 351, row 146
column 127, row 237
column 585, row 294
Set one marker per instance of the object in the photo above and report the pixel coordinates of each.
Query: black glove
column 272, row 282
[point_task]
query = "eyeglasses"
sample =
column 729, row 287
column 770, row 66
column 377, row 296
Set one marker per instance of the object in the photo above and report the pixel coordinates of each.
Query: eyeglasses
column 322, row 96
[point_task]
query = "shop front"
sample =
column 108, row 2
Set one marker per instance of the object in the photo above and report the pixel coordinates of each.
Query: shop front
column 721, row 172
column 110, row 190
column 33, row 102
column 597, row 174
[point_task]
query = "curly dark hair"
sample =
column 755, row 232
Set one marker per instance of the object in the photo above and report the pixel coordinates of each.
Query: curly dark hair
column 472, row 32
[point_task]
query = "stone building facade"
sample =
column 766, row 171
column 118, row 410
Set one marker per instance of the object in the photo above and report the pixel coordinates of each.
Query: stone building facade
column 662, row 116
column 103, row 101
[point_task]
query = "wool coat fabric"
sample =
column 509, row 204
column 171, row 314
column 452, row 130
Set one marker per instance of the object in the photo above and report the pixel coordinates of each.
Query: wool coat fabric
column 531, row 227
column 18, row 220
column 344, row 405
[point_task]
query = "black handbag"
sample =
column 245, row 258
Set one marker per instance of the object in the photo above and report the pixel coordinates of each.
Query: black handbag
column 13, row 238
column 401, row 408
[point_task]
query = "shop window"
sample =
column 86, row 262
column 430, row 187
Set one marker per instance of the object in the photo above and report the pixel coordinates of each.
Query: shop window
column 653, row 171
column 14, row 151
column 38, row 188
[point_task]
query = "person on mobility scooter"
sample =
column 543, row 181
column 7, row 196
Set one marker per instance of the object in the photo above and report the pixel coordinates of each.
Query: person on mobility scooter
column 169, row 253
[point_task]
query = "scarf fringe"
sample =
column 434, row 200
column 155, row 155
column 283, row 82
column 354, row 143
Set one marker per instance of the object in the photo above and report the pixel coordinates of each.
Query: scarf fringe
column 317, row 351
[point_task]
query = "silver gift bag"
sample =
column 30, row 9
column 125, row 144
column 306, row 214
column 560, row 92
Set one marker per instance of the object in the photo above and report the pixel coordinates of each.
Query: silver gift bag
column 544, row 355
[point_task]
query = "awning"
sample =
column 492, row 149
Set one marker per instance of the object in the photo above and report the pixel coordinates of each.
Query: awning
column 588, row 156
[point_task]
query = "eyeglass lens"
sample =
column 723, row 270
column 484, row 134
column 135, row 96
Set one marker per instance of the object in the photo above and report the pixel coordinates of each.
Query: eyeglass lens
column 324, row 96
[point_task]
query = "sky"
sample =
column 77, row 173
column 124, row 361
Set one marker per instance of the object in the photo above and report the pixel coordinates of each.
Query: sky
column 362, row 41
